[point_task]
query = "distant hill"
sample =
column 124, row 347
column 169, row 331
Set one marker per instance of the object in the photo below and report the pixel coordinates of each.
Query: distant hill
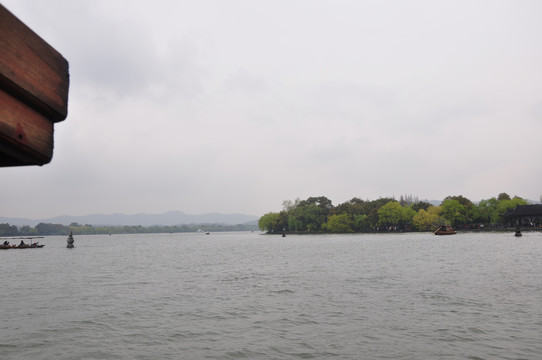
column 167, row 218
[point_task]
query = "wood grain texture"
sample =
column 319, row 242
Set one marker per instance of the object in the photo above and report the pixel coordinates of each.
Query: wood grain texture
column 26, row 136
column 31, row 69
column 34, row 82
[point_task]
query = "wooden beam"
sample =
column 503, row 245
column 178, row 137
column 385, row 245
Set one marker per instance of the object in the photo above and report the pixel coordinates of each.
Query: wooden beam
column 34, row 82
column 25, row 134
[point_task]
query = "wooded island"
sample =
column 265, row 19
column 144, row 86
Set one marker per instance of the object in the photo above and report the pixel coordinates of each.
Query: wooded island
column 318, row 215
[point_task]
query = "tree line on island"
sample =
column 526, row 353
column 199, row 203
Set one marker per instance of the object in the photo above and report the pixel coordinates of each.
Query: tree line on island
column 318, row 215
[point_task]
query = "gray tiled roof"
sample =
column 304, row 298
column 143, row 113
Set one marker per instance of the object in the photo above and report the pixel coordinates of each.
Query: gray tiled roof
column 525, row 210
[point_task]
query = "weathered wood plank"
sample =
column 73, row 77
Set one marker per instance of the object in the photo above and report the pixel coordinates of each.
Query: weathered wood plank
column 26, row 136
column 34, row 82
column 31, row 69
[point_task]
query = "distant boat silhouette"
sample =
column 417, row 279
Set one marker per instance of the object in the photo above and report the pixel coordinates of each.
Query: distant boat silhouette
column 445, row 230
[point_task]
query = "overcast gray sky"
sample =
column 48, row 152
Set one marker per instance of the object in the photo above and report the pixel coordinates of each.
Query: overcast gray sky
column 234, row 106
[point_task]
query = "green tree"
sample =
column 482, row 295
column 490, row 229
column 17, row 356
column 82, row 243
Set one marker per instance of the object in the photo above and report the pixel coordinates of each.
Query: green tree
column 462, row 200
column 341, row 223
column 27, row 230
column 273, row 222
column 454, row 212
column 372, row 208
column 486, row 210
column 357, row 209
column 8, row 230
column 310, row 215
column 390, row 214
column 51, row 229
column 360, row 222
column 353, row 206
column 426, row 220
column 406, row 216
column 421, row 205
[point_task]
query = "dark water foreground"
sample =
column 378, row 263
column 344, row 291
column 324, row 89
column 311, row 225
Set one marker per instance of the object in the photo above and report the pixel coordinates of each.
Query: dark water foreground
column 247, row 296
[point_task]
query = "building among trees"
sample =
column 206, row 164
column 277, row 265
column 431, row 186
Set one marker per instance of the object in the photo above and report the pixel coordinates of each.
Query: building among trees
column 525, row 215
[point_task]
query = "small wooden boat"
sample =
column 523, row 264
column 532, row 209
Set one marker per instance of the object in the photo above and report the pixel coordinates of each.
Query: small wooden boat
column 29, row 246
column 445, row 230
column 22, row 246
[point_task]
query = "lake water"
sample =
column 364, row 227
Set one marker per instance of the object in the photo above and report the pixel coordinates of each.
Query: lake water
column 251, row 296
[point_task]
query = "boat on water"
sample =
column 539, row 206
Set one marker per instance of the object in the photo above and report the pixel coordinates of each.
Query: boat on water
column 21, row 246
column 445, row 230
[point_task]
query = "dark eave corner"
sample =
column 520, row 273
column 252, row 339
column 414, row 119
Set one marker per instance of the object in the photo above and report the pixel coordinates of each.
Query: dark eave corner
column 34, row 82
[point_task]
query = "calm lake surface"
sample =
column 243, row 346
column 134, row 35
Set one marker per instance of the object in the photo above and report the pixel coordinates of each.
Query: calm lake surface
column 251, row 296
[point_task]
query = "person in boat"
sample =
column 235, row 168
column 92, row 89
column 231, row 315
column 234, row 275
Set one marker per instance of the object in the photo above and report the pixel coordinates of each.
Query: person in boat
column 6, row 243
column 22, row 243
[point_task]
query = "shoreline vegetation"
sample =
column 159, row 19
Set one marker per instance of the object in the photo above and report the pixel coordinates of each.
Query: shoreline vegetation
column 44, row 229
column 317, row 215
